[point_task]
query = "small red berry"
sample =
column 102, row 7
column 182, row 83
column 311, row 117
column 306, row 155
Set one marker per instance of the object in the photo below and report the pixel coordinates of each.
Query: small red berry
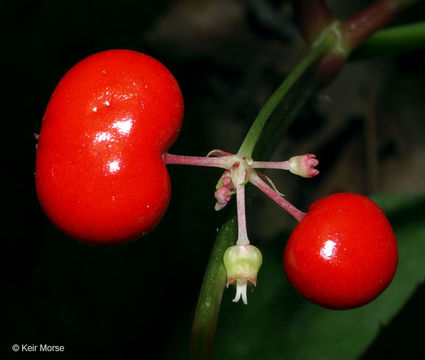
column 99, row 175
column 343, row 253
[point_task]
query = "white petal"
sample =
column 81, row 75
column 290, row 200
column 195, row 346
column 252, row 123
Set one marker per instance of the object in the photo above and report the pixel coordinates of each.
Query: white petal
column 241, row 291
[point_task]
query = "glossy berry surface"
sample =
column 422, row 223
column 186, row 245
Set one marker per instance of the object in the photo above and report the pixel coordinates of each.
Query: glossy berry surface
column 343, row 253
column 99, row 174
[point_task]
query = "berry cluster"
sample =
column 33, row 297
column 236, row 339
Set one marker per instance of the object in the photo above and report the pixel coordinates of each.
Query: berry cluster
column 101, row 178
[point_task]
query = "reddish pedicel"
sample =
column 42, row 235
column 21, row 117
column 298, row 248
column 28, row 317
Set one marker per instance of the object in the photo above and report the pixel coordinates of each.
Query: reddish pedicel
column 343, row 253
column 100, row 176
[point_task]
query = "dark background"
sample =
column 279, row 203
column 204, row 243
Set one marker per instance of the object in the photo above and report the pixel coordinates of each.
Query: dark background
column 137, row 300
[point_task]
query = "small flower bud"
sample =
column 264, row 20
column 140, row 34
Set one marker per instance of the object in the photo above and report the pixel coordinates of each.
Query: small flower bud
column 303, row 165
column 223, row 196
column 227, row 181
column 242, row 263
column 224, row 190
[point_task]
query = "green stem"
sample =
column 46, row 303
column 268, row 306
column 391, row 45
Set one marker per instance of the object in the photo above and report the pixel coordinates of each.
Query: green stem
column 254, row 132
column 209, row 301
column 213, row 285
column 285, row 114
column 392, row 41
column 214, row 281
column 208, row 306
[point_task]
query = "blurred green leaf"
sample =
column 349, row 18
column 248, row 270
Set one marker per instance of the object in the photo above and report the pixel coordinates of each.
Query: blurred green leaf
column 279, row 324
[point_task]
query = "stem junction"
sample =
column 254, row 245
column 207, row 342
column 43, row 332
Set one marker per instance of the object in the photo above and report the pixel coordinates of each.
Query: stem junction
column 239, row 171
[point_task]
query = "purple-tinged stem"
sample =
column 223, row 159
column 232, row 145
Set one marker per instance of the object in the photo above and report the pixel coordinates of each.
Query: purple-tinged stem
column 360, row 26
column 354, row 31
column 282, row 165
column 240, row 202
column 266, row 189
column 218, row 162
column 313, row 17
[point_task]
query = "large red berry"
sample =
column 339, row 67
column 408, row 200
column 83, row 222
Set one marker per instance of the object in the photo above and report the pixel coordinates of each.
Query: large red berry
column 100, row 176
column 343, row 253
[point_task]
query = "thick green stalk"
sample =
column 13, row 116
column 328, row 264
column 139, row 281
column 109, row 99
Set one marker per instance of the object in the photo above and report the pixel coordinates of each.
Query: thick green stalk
column 214, row 281
column 296, row 89
column 285, row 114
column 392, row 41
column 254, row 132
column 208, row 307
